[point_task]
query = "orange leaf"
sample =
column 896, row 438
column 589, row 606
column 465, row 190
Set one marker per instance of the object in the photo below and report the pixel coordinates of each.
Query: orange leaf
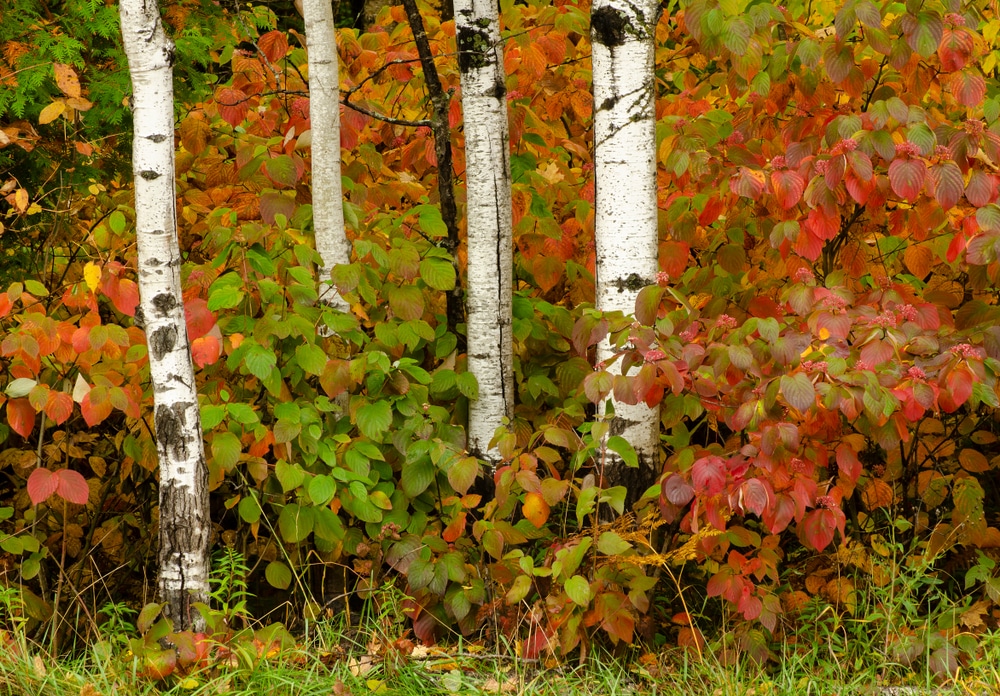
column 59, row 406
column 973, row 461
column 918, row 259
column 535, row 509
column 205, row 350
column 21, row 416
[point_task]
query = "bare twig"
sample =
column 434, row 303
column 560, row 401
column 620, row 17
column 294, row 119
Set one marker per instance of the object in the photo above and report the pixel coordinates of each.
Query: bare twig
column 442, row 149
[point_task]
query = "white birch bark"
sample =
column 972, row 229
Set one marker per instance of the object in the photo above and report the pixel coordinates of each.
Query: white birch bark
column 185, row 524
column 623, row 33
column 324, row 116
column 487, row 178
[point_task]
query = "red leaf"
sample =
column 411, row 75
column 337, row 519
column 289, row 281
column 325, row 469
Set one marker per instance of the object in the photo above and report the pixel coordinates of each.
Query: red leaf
column 274, row 45
column 126, row 297
column 848, row 463
column 676, row 489
column 788, row 187
column 21, row 416
column 41, row 485
column 708, row 475
column 981, row 188
column 947, row 181
column 71, row 486
column 233, row 105
column 779, row 516
column 198, row 318
column 956, row 46
column 205, row 350
column 674, row 257
column 748, row 183
column 818, row 528
column 959, row 388
column 756, row 496
column 906, row 177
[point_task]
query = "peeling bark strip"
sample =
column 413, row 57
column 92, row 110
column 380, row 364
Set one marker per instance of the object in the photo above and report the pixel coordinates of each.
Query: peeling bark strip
column 442, row 151
column 324, row 116
column 625, row 200
column 184, row 514
column 487, row 178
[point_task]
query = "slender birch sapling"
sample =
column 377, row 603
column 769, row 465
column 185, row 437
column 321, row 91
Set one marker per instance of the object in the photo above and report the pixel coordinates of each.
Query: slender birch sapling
column 184, row 508
column 487, row 176
column 623, row 35
column 324, row 116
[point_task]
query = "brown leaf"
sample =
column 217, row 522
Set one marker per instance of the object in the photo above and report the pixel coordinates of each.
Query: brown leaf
column 67, row 80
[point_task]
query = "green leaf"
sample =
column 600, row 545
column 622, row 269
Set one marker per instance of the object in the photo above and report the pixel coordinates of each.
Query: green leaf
column 35, row 288
column 430, row 221
column 226, row 292
column 311, row 359
column 578, row 589
column 623, row 449
column 260, row 361
column 278, row 575
column 374, row 420
column 249, row 509
column 211, row 416
column 226, row 450
column 468, row 385
column 290, row 476
column 611, row 544
column 438, row 273
column 295, row 522
column 416, row 477
column 322, row 489
column 286, row 430
column 243, row 414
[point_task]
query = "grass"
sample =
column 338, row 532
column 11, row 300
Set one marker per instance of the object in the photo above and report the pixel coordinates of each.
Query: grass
column 851, row 646
column 324, row 665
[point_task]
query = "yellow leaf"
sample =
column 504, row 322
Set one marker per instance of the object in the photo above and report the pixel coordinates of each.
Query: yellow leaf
column 535, row 509
column 21, row 200
column 189, row 683
column 92, row 275
column 51, row 112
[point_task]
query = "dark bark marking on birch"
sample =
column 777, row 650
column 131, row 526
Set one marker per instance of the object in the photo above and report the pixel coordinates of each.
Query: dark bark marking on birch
column 633, row 282
column 610, row 26
column 474, row 49
column 170, row 428
column 149, row 174
column 157, row 138
column 162, row 341
column 164, row 303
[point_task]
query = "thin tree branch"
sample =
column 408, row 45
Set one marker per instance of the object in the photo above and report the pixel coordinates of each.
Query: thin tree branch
column 440, row 101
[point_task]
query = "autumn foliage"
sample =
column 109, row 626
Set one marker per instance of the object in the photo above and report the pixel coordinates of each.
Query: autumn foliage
column 822, row 339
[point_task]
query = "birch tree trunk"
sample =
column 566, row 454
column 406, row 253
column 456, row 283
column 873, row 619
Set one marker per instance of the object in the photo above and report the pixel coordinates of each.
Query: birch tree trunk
column 623, row 33
column 324, row 116
column 487, row 177
column 184, row 510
